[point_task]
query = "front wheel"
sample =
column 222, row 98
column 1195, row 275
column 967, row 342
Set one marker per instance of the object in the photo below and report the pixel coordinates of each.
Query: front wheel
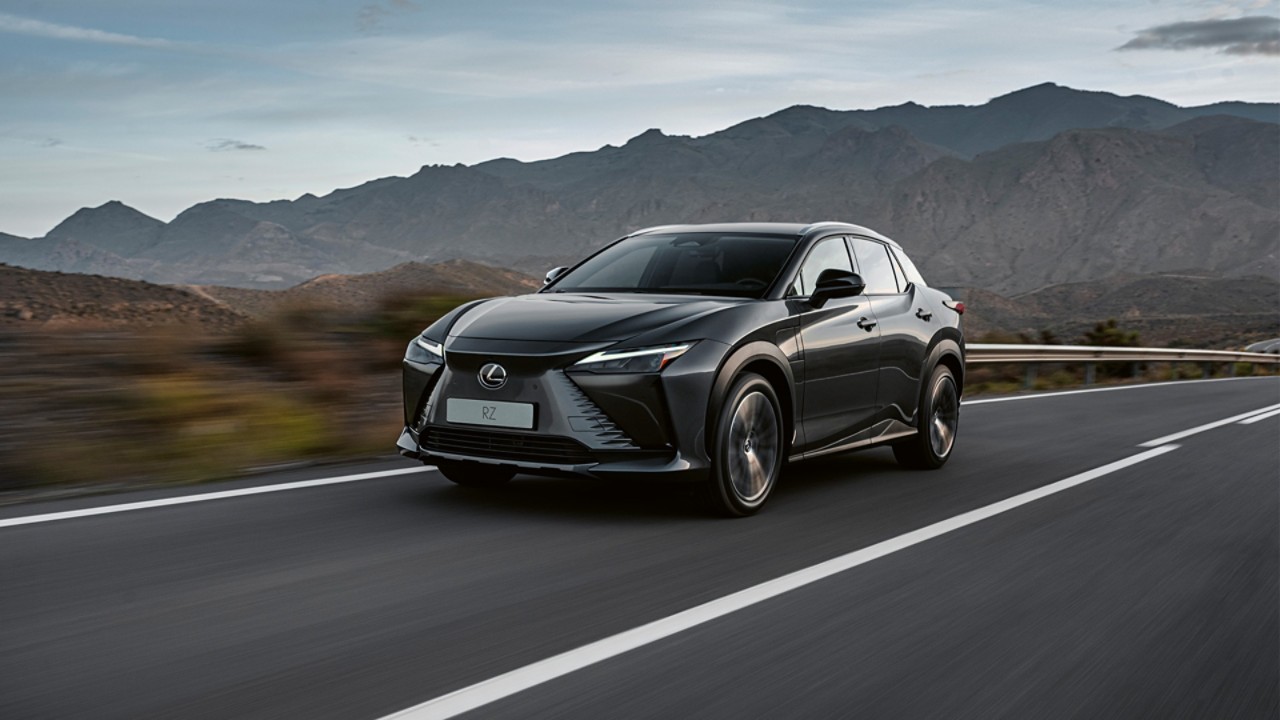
column 475, row 475
column 748, row 449
column 939, row 421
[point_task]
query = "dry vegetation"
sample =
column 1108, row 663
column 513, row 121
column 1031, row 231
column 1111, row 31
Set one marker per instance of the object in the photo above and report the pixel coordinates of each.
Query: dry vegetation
column 106, row 381
column 159, row 405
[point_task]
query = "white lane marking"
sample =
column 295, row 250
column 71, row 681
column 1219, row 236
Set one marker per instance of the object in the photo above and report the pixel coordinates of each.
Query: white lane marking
column 205, row 497
column 510, row 683
column 1167, row 383
column 1207, row 426
column 1260, row 418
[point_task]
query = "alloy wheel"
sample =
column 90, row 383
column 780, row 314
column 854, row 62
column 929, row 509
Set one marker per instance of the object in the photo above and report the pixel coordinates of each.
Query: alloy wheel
column 945, row 402
column 753, row 451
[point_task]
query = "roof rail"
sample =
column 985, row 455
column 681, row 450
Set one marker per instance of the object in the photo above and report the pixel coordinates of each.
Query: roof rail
column 815, row 225
column 650, row 229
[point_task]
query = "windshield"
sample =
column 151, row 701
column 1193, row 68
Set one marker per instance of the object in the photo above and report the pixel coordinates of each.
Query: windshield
column 701, row 263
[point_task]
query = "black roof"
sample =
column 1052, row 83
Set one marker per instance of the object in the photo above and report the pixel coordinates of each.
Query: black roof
column 774, row 228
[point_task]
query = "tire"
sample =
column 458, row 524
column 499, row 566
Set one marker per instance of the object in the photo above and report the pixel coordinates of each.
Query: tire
column 749, row 449
column 939, row 422
column 475, row 475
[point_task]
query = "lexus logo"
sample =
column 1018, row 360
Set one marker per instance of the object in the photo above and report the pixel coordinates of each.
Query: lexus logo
column 493, row 376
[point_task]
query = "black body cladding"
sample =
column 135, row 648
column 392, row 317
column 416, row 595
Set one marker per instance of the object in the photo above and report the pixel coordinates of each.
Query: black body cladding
column 620, row 367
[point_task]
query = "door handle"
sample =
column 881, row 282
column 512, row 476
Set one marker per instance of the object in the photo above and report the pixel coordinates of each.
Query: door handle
column 866, row 325
column 920, row 313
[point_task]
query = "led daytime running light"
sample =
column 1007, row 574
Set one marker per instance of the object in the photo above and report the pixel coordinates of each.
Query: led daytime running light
column 433, row 348
column 668, row 353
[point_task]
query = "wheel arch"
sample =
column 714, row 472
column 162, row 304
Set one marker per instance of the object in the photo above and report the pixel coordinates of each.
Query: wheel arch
column 767, row 361
column 947, row 349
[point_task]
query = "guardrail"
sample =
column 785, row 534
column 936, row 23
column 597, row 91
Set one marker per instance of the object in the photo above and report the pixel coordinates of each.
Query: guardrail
column 984, row 353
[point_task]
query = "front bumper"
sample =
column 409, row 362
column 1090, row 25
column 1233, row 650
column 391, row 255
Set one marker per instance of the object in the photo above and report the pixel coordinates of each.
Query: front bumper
column 606, row 426
column 659, row 467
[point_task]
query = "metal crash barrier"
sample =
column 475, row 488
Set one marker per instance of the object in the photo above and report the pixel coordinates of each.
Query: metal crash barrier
column 1089, row 356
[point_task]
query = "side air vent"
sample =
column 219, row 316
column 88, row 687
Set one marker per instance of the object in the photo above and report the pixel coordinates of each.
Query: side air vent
column 587, row 419
column 424, row 403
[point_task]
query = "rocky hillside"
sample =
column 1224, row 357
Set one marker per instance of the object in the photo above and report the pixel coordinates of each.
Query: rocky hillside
column 1186, row 310
column 33, row 299
column 1092, row 203
column 1039, row 187
column 40, row 300
column 362, row 292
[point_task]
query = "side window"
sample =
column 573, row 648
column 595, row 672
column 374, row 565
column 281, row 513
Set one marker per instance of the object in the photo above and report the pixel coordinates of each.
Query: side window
column 875, row 267
column 913, row 275
column 828, row 253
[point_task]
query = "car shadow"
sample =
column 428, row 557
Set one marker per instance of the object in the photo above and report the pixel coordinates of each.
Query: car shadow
column 852, row 466
column 580, row 498
column 585, row 498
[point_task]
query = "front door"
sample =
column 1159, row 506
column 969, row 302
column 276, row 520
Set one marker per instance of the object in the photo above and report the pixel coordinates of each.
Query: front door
column 840, row 349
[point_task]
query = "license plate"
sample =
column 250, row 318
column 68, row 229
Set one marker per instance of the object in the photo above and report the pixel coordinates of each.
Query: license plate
column 492, row 413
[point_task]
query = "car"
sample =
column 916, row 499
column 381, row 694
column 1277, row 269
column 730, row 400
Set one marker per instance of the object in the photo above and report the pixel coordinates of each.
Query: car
column 712, row 354
column 1266, row 346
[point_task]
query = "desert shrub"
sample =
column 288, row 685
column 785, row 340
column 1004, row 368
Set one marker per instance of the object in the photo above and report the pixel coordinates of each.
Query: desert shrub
column 1110, row 334
column 179, row 427
column 998, row 337
column 200, row 429
column 400, row 317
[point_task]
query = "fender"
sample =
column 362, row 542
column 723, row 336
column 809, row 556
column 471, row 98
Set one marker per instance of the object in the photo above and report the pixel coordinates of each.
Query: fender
column 735, row 361
column 948, row 342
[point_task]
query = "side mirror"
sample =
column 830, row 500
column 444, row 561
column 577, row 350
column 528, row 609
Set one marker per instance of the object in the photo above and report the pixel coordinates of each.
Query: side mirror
column 834, row 283
column 553, row 274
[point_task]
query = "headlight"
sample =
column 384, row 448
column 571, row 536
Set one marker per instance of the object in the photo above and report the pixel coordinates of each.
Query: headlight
column 422, row 350
column 638, row 360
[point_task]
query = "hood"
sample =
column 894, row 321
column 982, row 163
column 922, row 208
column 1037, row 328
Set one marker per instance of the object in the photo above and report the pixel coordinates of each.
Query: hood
column 581, row 318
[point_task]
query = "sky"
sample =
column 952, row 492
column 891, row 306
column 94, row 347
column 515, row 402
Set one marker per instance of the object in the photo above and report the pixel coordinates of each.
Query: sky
column 162, row 104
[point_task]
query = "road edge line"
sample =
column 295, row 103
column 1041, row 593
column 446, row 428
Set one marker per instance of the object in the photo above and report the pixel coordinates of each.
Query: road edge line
column 205, row 497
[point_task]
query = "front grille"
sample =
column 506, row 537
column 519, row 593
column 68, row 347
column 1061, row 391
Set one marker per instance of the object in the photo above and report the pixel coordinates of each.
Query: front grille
column 520, row 447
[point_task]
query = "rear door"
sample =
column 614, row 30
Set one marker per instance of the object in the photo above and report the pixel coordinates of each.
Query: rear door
column 906, row 325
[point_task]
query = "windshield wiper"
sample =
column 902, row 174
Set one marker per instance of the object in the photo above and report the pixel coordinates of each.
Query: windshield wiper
column 683, row 291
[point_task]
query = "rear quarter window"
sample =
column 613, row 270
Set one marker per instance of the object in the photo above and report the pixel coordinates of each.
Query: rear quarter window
column 875, row 267
column 913, row 275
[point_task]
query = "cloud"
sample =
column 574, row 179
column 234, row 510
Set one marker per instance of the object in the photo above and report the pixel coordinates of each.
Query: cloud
column 50, row 142
column 228, row 145
column 39, row 28
column 1250, row 35
column 369, row 17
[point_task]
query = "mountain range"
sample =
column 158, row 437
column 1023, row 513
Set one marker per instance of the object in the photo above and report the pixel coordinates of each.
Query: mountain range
column 1042, row 186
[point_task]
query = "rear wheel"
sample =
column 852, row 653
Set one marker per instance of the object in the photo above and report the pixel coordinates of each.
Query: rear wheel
column 939, row 421
column 476, row 475
column 748, row 450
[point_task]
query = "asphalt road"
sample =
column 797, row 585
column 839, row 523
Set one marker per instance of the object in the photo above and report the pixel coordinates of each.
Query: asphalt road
column 1151, row 591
